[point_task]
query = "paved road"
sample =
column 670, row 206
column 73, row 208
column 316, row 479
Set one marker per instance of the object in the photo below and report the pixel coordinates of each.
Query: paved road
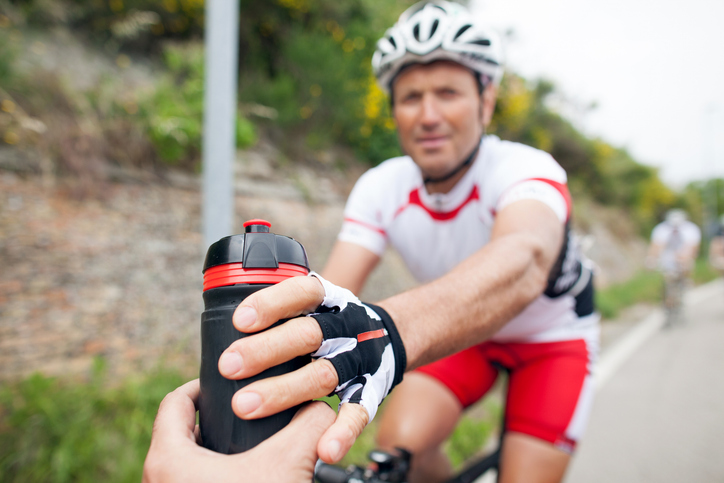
column 660, row 416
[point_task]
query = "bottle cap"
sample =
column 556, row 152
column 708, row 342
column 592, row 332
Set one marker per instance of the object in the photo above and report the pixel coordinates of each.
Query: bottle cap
column 257, row 256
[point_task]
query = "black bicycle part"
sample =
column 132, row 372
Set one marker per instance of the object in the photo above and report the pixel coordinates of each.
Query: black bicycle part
column 391, row 465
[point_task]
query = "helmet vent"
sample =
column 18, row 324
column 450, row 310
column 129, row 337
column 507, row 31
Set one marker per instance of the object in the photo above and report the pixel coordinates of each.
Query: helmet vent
column 392, row 41
column 416, row 32
column 434, row 27
column 484, row 42
column 462, row 30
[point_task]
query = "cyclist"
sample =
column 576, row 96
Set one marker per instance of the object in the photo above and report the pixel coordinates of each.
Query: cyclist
column 716, row 247
column 673, row 250
column 484, row 225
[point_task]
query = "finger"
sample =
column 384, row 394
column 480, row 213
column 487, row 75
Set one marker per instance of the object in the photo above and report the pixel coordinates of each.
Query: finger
column 177, row 412
column 339, row 438
column 269, row 396
column 289, row 298
column 304, row 431
column 251, row 355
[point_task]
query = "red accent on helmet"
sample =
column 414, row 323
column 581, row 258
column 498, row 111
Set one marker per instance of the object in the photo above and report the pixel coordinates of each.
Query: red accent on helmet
column 233, row 273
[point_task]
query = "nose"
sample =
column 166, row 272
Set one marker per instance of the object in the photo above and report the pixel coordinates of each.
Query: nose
column 429, row 111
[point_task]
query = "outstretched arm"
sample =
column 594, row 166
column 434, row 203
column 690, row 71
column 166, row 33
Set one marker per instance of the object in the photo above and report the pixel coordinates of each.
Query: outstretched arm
column 349, row 265
column 474, row 300
column 456, row 311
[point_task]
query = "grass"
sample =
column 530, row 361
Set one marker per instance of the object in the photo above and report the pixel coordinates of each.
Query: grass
column 54, row 430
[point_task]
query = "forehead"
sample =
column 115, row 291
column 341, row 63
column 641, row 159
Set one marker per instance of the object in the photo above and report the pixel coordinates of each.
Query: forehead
column 419, row 76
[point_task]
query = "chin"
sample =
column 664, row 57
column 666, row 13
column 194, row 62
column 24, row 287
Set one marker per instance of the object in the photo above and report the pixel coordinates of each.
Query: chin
column 433, row 164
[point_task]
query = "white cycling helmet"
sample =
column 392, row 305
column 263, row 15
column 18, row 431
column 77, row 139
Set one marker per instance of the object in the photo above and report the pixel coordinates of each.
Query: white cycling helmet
column 438, row 30
column 676, row 217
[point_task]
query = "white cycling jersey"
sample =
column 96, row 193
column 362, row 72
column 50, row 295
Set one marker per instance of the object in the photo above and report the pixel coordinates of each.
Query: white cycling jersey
column 435, row 232
column 674, row 239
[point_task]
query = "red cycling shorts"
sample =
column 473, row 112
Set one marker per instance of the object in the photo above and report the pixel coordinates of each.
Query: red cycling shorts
column 550, row 387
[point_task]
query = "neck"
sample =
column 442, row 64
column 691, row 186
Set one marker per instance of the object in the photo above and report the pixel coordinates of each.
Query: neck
column 443, row 184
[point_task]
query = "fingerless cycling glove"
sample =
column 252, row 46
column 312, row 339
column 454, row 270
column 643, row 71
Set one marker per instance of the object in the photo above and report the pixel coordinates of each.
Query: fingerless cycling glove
column 362, row 343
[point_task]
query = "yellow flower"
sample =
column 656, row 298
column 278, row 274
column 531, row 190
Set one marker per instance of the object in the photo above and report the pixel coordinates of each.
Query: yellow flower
column 170, row 5
column 305, row 112
column 116, row 5
column 11, row 138
column 8, row 106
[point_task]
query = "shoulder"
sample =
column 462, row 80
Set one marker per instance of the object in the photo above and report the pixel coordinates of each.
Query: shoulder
column 513, row 162
column 693, row 230
column 383, row 185
column 660, row 230
column 395, row 171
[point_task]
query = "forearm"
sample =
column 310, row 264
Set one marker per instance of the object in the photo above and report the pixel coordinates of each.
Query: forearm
column 472, row 302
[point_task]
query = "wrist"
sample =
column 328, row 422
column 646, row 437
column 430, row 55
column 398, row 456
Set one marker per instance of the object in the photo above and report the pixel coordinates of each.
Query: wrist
column 397, row 342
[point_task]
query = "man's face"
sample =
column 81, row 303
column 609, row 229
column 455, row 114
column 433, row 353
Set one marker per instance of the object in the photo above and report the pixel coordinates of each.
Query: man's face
column 440, row 115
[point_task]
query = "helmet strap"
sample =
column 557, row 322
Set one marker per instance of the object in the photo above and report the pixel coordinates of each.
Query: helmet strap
column 464, row 164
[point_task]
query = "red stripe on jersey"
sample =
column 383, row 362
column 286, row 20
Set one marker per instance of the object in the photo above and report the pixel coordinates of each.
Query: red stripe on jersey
column 367, row 225
column 562, row 189
column 415, row 200
column 373, row 334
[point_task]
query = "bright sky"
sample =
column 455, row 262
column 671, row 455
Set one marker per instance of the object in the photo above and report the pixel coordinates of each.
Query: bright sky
column 655, row 69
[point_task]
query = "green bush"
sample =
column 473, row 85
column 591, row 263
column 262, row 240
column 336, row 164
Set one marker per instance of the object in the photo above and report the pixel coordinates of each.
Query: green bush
column 173, row 113
column 53, row 430
column 8, row 53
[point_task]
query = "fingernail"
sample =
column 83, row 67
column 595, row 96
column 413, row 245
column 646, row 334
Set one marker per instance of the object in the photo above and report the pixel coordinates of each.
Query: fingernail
column 230, row 363
column 248, row 402
column 334, row 449
column 244, row 317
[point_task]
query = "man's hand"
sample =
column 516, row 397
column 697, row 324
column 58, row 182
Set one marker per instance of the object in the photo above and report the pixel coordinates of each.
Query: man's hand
column 175, row 456
column 350, row 342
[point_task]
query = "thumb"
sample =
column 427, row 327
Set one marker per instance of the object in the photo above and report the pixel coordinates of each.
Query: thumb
column 294, row 448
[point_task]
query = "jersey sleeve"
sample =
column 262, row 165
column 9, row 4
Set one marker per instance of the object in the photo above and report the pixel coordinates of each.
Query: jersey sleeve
column 555, row 197
column 362, row 215
column 525, row 173
column 660, row 234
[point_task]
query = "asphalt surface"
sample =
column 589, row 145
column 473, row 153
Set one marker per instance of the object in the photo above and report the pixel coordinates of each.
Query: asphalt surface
column 659, row 415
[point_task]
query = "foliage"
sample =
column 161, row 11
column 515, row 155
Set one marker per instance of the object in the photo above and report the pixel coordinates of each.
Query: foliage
column 173, row 114
column 644, row 286
column 60, row 431
column 309, row 62
column 704, row 198
column 607, row 174
column 8, row 53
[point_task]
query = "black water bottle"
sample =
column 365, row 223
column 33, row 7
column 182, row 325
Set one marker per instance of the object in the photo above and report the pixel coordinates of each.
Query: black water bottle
column 237, row 266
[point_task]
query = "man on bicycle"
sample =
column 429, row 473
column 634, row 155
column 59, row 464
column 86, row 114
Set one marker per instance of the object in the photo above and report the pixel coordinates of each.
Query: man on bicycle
column 716, row 247
column 673, row 250
column 484, row 226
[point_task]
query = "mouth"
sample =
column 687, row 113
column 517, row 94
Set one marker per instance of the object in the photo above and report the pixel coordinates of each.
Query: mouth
column 432, row 142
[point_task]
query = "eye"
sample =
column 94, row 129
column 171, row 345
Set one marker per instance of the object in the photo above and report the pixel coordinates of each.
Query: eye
column 410, row 97
column 448, row 92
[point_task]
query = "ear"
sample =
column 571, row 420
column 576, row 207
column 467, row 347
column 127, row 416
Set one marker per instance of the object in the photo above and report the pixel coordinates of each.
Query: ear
column 490, row 94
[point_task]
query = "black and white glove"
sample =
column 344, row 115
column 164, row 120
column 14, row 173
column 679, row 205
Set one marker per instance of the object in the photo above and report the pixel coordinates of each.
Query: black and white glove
column 362, row 343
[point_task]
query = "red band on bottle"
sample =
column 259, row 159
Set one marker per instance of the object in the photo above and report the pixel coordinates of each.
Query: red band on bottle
column 233, row 273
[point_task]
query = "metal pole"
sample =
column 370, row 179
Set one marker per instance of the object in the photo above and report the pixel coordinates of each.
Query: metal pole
column 219, row 141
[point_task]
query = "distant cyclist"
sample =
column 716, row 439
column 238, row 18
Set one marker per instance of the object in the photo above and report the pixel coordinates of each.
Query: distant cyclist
column 673, row 250
column 484, row 226
column 716, row 248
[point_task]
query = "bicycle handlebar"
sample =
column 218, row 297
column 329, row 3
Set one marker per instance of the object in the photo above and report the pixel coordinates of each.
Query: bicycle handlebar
column 324, row 473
